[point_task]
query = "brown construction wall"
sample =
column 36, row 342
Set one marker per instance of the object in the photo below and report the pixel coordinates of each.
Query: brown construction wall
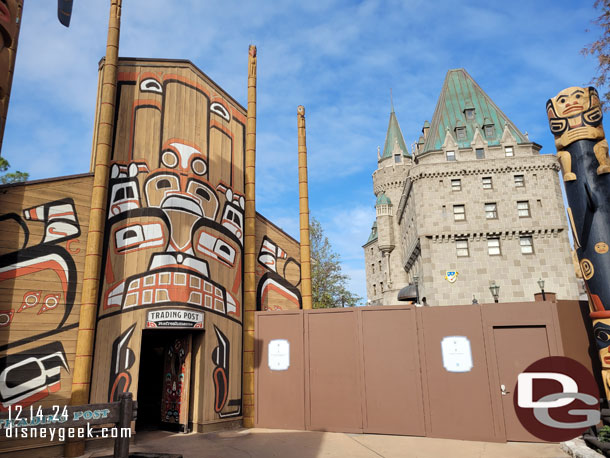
column 278, row 268
column 381, row 369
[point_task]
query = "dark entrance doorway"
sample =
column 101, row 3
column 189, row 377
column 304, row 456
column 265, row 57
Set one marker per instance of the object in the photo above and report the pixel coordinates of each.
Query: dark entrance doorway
column 164, row 374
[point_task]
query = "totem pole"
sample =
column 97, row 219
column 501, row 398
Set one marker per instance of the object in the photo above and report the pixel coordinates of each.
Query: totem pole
column 575, row 119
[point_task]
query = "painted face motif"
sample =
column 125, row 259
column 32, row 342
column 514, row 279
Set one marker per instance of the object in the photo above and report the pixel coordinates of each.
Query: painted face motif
column 572, row 101
column 601, row 331
column 574, row 114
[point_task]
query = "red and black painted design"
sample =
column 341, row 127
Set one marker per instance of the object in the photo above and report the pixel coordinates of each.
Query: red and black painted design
column 221, row 358
column 123, row 358
column 31, row 375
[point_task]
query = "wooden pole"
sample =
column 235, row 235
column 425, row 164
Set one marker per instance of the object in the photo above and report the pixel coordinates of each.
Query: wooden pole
column 250, row 248
column 304, row 212
column 81, row 378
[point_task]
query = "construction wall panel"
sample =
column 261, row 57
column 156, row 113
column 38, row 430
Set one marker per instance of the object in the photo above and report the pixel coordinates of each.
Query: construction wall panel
column 392, row 372
column 334, row 371
column 288, row 385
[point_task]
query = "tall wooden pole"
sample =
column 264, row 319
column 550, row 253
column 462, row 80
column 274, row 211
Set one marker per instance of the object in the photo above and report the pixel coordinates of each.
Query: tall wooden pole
column 304, row 212
column 250, row 247
column 81, row 378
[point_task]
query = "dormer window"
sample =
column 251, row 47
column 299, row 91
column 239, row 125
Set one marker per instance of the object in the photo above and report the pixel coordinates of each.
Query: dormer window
column 397, row 158
column 488, row 128
column 460, row 132
column 451, row 155
column 469, row 113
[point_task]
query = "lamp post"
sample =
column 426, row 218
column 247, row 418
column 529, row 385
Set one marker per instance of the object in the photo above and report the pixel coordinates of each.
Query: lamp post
column 474, row 300
column 495, row 290
column 416, row 282
column 541, row 284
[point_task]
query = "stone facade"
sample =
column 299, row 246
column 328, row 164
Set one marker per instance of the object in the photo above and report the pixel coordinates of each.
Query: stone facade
column 489, row 209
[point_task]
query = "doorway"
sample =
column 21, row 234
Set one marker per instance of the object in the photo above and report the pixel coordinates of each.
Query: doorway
column 164, row 380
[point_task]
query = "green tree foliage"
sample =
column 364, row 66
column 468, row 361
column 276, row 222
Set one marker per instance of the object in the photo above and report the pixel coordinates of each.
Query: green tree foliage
column 328, row 282
column 12, row 177
column 600, row 48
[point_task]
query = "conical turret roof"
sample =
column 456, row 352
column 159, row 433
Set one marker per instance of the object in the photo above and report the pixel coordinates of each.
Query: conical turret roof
column 394, row 141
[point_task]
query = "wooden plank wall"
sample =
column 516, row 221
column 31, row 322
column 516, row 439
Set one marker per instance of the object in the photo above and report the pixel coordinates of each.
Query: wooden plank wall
column 174, row 233
column 43, row 227
column 278, row 270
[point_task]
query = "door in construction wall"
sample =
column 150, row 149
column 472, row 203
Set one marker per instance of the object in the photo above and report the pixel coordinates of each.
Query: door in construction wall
column 177, row 375
column 516, row 348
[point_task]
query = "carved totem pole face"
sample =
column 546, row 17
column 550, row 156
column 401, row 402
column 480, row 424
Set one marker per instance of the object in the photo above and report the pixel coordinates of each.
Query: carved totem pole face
column 575, row 114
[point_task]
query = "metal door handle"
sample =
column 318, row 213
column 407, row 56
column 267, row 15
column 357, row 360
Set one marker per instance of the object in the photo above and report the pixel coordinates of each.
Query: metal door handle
column 503, row 389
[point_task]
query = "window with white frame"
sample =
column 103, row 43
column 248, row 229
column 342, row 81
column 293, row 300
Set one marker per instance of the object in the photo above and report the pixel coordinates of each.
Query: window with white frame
column 523, row 209
column 509, row 151
column 493, row 247
column 451, row 155
column 487, row 183
column 461, row 247
column 527, row 244
column 491, row 210
column 459, row 212
column 519, row 181
column 456, row 184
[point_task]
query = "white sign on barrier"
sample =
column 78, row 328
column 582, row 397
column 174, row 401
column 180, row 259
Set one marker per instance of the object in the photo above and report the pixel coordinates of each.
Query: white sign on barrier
column 279, row 355
column 457, row 354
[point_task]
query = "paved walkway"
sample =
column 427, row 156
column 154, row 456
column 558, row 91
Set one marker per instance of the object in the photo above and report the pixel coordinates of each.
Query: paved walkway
column 266, row 443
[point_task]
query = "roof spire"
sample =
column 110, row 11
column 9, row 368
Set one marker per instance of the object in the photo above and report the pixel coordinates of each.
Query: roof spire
column 391, row 100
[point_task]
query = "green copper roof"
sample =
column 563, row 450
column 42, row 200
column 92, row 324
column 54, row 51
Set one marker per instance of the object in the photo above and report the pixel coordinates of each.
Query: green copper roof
column 460, row 92
column 393, row 139
column 382, row 199
column 373, row 235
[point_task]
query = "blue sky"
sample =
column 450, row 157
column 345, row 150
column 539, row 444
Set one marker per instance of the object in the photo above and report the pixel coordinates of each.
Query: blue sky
column 338, row 58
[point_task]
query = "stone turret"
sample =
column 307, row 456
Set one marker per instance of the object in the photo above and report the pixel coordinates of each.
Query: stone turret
column 385, row 224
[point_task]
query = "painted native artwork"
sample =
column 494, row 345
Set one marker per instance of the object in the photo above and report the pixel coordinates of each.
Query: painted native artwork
column 279, row 278
column 175, row 212
column 41, row 256
column 175, row 370
column 221, row 357
column 575, row 118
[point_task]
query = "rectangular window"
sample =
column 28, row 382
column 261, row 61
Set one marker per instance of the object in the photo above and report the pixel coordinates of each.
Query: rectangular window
column 491, row 210
column 461, row 133
column 508, row 151
column 469, row 112
column 451, row 155
column 459, row 212
column 480, row 153
column 527, row 245
column 487, row 183
column 489, row 131
column 456, row 184
column 523, row 208
column 519, row 181
column 493, row 247
column 397, row 158
column 462, row 248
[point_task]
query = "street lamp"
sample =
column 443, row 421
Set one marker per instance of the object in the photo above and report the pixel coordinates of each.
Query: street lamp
column 495, row 290
column 474, row 300
column 541, row 284
column 416, row 281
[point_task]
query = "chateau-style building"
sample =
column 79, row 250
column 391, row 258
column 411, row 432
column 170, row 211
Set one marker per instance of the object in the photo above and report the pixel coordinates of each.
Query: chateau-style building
column 474, row 203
